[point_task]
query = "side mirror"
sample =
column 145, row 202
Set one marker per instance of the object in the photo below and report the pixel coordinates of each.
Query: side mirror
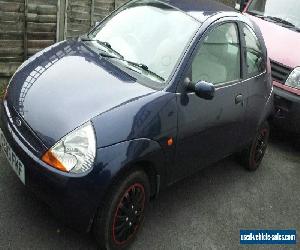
column 203, row 90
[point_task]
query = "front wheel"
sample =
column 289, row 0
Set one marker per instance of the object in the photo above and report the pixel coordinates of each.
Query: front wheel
column 252, row 156
column 119, row 220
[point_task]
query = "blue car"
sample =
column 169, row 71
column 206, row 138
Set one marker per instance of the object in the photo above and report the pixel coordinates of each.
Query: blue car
column 98, row 125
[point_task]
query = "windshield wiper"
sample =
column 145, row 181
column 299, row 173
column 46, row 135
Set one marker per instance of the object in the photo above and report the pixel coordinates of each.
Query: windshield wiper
column 280, row 20
column 286, row 23
column 272, row 18
column 295, row 29
column 104, row 44
column 144, row 68
column 120, row 56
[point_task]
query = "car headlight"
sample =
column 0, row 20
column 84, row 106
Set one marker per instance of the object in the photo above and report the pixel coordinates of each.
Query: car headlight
column 74, row 153
column 294, row 78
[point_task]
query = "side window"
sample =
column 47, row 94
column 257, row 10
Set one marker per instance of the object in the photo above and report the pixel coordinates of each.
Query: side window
column 254, row 55
column 218, row 58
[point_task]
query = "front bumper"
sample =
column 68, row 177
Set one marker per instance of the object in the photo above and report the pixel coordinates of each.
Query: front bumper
column 72, row 198
column 287, row 110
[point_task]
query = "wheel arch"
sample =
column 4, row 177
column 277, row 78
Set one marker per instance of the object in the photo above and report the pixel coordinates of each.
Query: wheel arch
column 145, row 155
column 118, row 160
column 148, row 167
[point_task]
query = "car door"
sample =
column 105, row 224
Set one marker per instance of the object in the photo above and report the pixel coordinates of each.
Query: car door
column 209, row 130
column 256, row 79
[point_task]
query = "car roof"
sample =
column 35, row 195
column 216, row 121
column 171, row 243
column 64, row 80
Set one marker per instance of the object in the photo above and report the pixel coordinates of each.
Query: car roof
column 199, row 9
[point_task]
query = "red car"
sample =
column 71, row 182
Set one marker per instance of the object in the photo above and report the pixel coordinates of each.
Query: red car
column 279, row 22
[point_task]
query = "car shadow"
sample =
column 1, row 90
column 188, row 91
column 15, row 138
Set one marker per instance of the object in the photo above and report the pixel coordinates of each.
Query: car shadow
column 284, row 140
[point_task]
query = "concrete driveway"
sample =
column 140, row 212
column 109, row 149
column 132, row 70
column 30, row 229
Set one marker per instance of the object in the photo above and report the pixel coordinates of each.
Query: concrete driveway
column 205, row 211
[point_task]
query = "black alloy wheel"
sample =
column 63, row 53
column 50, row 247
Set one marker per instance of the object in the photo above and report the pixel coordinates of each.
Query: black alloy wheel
column 260, row 146
column 121, row 216
column 129, row 214
column 253, row 155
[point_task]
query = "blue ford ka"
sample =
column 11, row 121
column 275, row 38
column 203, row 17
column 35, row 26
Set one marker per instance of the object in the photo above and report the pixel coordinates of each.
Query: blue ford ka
column 98, row 125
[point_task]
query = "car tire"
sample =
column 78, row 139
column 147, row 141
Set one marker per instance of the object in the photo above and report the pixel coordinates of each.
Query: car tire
column 253, row 155
column 122, row 214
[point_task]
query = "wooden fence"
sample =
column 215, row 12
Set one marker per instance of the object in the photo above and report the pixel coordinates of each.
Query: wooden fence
column 27, row 26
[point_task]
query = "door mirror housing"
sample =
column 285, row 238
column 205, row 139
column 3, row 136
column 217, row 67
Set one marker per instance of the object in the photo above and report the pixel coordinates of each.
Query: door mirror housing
column 203, row 90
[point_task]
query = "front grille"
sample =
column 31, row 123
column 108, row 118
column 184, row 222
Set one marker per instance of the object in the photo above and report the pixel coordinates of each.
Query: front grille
column 25, row 133
column 280, row 72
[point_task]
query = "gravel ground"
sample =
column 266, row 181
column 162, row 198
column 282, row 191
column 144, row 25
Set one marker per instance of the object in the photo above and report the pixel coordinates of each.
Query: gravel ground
column 205, row 211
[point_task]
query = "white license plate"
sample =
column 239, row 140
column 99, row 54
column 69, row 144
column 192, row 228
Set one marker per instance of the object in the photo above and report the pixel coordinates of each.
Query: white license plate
column 12, row 158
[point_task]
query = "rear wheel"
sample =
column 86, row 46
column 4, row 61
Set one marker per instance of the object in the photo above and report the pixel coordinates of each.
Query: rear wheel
column 119, row 220
column 252, row 156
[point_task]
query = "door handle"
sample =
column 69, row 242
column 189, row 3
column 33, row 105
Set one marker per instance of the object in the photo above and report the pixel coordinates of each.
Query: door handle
column 239, row 99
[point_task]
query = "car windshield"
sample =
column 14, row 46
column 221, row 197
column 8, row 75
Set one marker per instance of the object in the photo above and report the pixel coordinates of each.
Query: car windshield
column 283, row 12
column 148, row 37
